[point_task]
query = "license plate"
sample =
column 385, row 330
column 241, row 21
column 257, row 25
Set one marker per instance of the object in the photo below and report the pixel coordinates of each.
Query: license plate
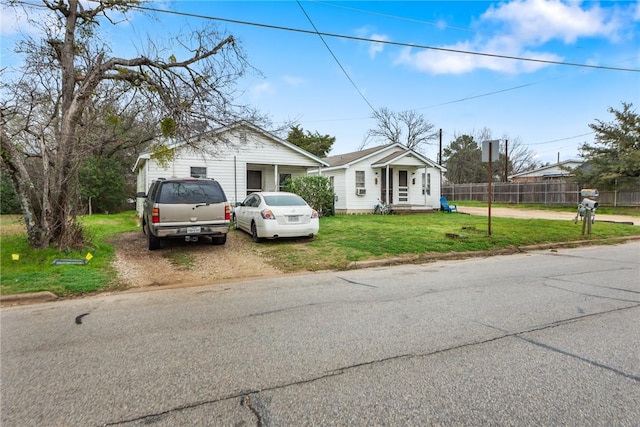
column 193, row 230
column 294, row 219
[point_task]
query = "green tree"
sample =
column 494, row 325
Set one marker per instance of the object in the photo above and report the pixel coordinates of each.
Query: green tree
column 316, row 190
column 9, row 203
column 463, row 160
column 103, row 185
column 42, row 126
column 613, row 159
column 314, row 143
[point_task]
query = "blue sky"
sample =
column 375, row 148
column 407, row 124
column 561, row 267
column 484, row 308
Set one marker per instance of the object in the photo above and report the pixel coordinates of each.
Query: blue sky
column 331, row 88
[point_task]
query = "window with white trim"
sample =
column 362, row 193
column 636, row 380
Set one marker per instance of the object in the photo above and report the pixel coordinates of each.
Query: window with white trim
column 359, row 179
column 426, row 184
column 198, row 172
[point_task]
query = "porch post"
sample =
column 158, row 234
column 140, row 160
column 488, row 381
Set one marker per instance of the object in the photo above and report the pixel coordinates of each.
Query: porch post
column 388, row 201
column 424, row 184
column 276, row 178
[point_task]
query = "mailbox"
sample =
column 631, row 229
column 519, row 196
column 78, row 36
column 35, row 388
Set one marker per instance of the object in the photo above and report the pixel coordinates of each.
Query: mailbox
column 589, row 203
column 587, row 209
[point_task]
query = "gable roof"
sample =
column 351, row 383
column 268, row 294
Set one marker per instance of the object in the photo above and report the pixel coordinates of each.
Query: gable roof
column 354, row 156
column 551, row 170
column 400, row 151
column 236, row 126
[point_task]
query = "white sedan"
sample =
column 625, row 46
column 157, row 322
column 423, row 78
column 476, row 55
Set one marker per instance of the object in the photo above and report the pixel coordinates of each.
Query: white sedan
column 270, row 215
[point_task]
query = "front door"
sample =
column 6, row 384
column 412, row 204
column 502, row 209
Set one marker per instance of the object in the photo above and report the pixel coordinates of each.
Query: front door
column 403, row 186
column 383, row 189
column 254, row 181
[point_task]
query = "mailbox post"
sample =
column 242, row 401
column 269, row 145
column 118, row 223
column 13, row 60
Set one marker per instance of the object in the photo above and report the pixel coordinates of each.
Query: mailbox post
column 587, row 209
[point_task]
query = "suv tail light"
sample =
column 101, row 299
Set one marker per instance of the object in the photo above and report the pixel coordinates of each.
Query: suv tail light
column 155, row 215
column 227, row 213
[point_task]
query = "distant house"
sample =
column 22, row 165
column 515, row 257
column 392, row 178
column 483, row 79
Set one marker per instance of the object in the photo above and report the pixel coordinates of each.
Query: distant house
column 392, row 173
column 242, row 157
column 553, row 172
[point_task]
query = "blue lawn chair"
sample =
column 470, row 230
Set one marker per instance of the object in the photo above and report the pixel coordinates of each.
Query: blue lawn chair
column 444, row 206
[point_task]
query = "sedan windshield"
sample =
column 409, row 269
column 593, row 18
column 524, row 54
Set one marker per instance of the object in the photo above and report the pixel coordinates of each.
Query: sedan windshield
column 284, row 200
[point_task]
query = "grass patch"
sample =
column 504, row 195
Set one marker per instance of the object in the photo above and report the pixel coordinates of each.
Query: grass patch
column 180, row 258
column 33, row 271
column 342, row 239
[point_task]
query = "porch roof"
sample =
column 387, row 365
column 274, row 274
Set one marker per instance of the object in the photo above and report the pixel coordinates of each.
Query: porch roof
column 396, row 158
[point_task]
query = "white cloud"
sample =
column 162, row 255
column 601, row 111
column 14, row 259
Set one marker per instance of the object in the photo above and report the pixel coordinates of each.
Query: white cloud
column 520, row 28
column 376, row 48
column 373, row 48
column 538, row 21
column 14, row 20
column 260, row 90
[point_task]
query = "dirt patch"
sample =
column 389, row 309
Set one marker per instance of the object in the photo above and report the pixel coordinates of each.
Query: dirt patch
column 187, row 263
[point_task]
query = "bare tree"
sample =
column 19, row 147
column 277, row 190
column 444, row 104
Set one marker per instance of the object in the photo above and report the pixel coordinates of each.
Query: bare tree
column 406, row 127
column 45, row 113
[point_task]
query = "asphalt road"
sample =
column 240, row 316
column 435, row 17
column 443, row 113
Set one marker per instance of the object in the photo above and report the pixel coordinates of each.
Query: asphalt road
column 543, row 338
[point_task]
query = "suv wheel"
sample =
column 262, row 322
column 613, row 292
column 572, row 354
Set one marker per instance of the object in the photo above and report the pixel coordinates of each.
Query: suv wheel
column 153, row 242
column 219, row 240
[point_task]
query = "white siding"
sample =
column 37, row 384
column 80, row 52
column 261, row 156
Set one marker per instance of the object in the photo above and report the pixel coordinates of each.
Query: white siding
column 228, row 163
column 339, row 188
column 345, row 184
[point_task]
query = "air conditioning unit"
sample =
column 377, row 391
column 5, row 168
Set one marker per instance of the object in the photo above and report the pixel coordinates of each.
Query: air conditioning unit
column 361, row 191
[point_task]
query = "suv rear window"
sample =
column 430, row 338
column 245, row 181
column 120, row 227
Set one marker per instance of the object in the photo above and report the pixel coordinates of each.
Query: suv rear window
column 191, row 192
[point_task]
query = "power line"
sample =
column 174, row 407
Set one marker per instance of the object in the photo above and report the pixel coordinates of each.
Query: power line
column 561, row 139
column 387, row 42
column 387, row 15
column 335, row 58
column 364, row 39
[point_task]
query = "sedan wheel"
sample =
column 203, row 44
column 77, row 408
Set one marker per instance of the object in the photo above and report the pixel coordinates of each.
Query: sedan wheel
column 254, row 233
column 235, row 223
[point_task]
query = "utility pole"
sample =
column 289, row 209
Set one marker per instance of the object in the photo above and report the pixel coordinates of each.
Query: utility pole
column 440, row 152
column 506, row 160
column 440, row 162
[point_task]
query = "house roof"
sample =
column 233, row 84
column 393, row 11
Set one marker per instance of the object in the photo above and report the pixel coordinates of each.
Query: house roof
column 234, row 126
column 400, row 151
column 347, row 158
column 551, row 170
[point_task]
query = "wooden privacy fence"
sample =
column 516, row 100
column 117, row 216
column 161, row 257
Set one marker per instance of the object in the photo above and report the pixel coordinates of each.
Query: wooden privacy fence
column 548, row 193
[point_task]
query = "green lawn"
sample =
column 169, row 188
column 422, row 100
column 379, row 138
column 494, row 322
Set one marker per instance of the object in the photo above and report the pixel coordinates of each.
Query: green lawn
column 342, row 239
column 33, row 271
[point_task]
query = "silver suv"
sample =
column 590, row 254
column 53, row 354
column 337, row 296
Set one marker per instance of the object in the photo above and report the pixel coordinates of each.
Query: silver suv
column 186, row 208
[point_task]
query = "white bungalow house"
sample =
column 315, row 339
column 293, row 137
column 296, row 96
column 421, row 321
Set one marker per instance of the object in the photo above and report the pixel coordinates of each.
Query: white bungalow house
column 391, row 173
column 242, row 157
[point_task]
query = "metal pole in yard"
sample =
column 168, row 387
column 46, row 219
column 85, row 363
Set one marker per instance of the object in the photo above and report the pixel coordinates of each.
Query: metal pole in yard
column 489, row 190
